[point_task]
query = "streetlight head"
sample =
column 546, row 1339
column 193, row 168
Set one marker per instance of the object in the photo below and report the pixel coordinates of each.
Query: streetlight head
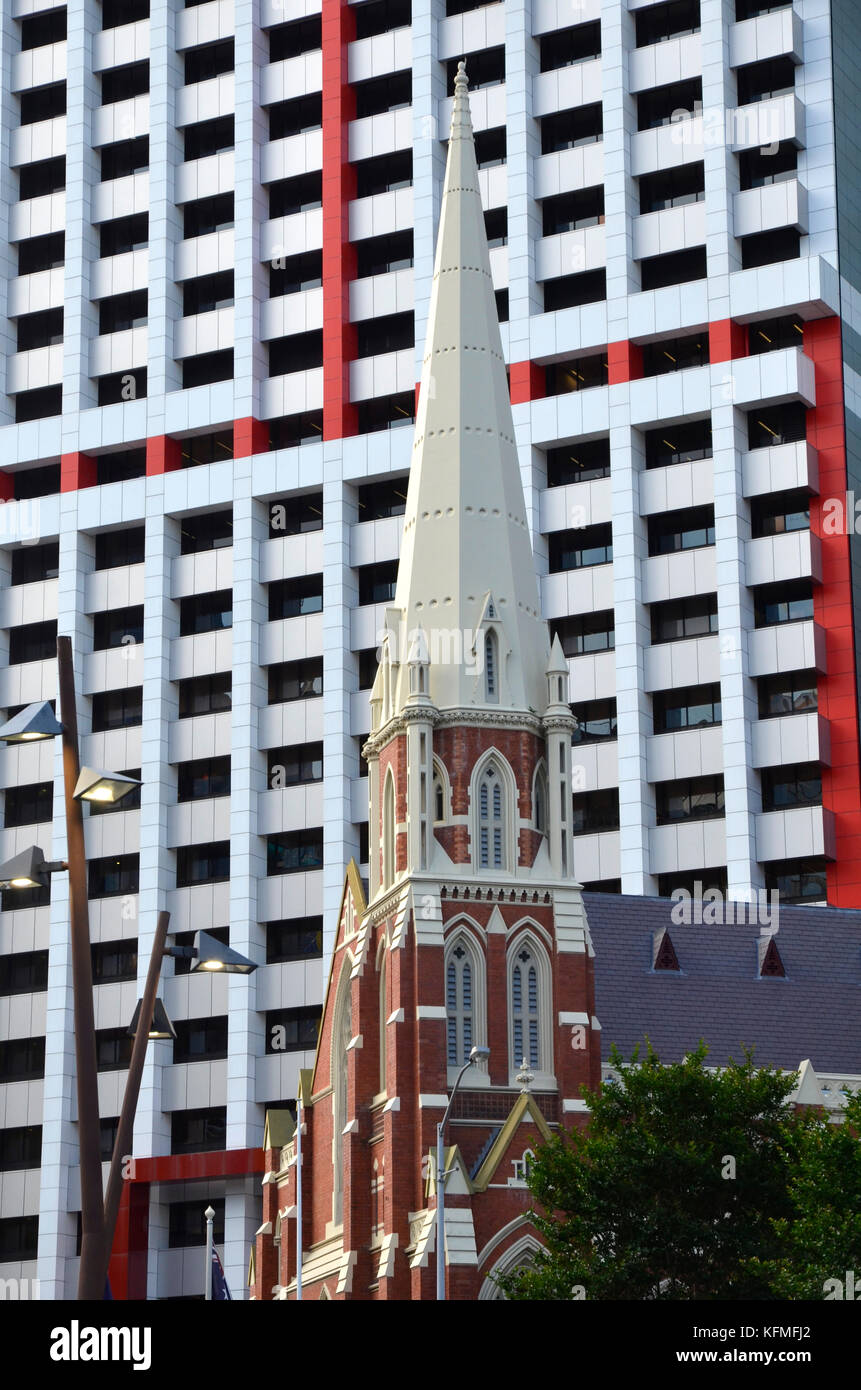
column 479, row 1054
column 94, row 784
column 214, row 956
column 36, row 721
column 29, row 869
column 161, row 1029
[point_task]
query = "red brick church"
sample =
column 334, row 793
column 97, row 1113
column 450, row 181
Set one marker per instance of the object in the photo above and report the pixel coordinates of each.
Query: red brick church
column 473, row 931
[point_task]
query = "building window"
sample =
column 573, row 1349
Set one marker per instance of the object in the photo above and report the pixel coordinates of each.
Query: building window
column 113, row 1049
column 539, row 800
column 696, row 707
column 22, row 1059
column 770, row 335
column 33, row 642
column 390, row 93
column 300, row 194
column 205, row 695
column 528, row 1006
column 389, row 843
column 198, row 1131
column 38, row 30
column 19, row 1238
column 200, row 1039
column 296, row 851
column 681, row 618
column 300, row 352
column 390, row 333
column 124, row 158
column 775, row 425
column 485, row 68
column 578, row 463
column 586, row 634
column 208, row 293
column 675, row 354
column 667, row 21
column 798, row 880
column 564, row 47
column 202, row 778
column 207, row 369
column 20, row 1148
column 683, row 530
column 296, row 680
column 208, row 215
column 18, row 899
column 384, row 254
column 120, row 12
column 567, row 130
column 596, row 721
column 377, row 583
column 124, row 234
column 37, row 482
column 29, row 805
column 773, row 77
column 295, row 117
column 791, row 602
column 295, row 516
column 460, row 985
column 491, row 666
column 786, row 787
column 690, row 798
column 294, row 938
column 43, row 103
column 295, row 765
column 791, row 692
column 492, row 822
column 677, row 268
column 187, row 1223
column 295, row 598
column 570, row 291
column 208, row 137
column 695, row 883
column 114, row 876
column 758, row 168
column 213, row 447
column 206, row 612
column 384, row 173
column 295, row 274
column 292, row 40
column 766, row 248
column 24, row 972
column 682, row 443
column 384, row 1015
column 40, row 253
column 672, row 188
column 387, row 412
column 594, row 812
column 382, row 500
column 208, row 61
column 578, row 549
column 659, row 106
column 208, row 531
column 120, row 84
column 118, row 627
column 569, row 212
column 203, row 864
column 114, row 960
column 777, row 513
column 116, row 548
column 119, row 467
column 292, row 1030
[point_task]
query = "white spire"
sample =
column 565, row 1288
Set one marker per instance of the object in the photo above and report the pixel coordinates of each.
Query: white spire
column 466, row 568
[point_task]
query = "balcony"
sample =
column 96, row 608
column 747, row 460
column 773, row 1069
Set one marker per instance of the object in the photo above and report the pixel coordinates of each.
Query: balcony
column 672, row 229
column 381, row 214
column 473, row 31
column 587, row 590
column 795, row 834
column 579, row 84
column 31, row 294
column 787, row 647
column 690, row 661
column 773, row 206
column 381, row 134
column 206, row 177
column 765, row 122
column 121, row 120
column 292, row 394
column 570, row 253
column 205, row 101
column 677, row 485
column 789, row 739
column 379, row 295
column 781, row 469
column 384, row 375
column 659, row 64
column 794, row 555
column 688, row 845
column 381, row 54
column 118, row 352
column 776, row 35
column 685, row 753
column 680, row 574
column 119, row 274
column 119, row 197
column 115, row 48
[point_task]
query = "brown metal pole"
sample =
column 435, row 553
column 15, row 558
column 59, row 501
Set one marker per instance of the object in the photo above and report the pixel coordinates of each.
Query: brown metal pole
column 90, row 1284
column 125, row 1128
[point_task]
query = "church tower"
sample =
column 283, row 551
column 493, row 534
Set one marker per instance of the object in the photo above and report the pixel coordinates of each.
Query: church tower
column 471, row 930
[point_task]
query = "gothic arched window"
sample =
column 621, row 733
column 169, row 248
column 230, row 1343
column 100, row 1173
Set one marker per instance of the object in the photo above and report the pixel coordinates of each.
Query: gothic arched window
column 341, row 1036
column 539, row 798
column 491, row 666
column 459, row 1005
column 525, row 1009
column 491, row 820
column 389, row 832
column 383, row 1020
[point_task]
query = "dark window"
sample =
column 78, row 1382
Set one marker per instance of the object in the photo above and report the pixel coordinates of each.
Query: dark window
column 208, row 293
column 484, row 69
column 210, row 60
column 182, row 964
column 206, row 612
column 108, row 1137
column 198, row 449
column 124, row 158
column 576, row 549
column 678, row 268
column 24, row 972
column 115, row 876
column 299, row 194
column 766, row 248
column 785, row 787
column 294, row 598
column 379, row 255
column 41, row 178
column 294, row 851
column 41, row 253
column 40, row 330
column 33, row 642
column 695, row 883
column 205, row 695
column 209, row 137
column 290, row 118
column 777, row 424
column 117, row 709
column 119, row 84
column 115, row 548
column 113, row 1049
column 693, row 707
column 295, row 938
column 38, row 404
column 292, row 1030
column 306, row 427
column 32, row 564
column 595, row 811
column 203, row 864
column 384, row 173
column 380, row 16
column 202, row 778
column 680, row 443
column 198, row 1131
column 790, row 692
column 118, row 12
column 296, row 764
column 590, row 632
column 490, row 147
column 566, row 46
column 29, row 805
column 20, row 1148
column 790, row 602
column 296, row 680
column 297, row 273
column 22, row 1059
column 187, row 1223
column 387, row 412
column 682, row 530
column 301, row 352
column 774, row 77
column 667, row 21
column 124, row 234
column 377, row 583
column 19, row 1238
column 41, row 29
column 119, row 627
column 571, row 211
column 675, row 354
column 566, row 130
column 200, row 1039
column 208, row 215
column 114, row 960
column 691, row 798
column 768, row 335
column 123, row 386
column 43, row 103
column 291, row 40
column 379, row 500
column 207, row 369
column 388, row 93
column 391, row 333
column 578, row 375
column 121, row 466
column 496, row 227
column 661, row 106
column 778, row 512
column 596, row 721
column 293, row 516
column 569, row 291
column 603, row 885
column 208, row 531
column 368, row 662
column 37, row 482
column 672, row 188
column 681, row 618
column 798, row 880
column 130, row 802
column 757, row 169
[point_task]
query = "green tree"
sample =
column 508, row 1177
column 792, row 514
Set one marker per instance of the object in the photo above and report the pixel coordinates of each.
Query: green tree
column 678, row 1189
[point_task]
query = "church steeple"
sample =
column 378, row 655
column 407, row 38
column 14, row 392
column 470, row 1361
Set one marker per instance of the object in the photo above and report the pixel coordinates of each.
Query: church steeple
column 467, row 574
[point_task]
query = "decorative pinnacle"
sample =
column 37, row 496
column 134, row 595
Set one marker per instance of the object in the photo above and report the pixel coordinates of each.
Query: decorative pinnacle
column 460, row 115
column 525, row 1077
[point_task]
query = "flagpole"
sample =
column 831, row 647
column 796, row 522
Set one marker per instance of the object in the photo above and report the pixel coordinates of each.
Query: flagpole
column 299, row 1199
column 209, row 1214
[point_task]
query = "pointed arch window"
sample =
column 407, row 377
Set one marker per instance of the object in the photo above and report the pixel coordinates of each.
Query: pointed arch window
column 459, row 1005
column 525, row 1006
column 491, row 666
column 540, row 801
column 438, row 799
column 491, row 820
column 389, row 832
column 383, row 1021
column 341, row 1035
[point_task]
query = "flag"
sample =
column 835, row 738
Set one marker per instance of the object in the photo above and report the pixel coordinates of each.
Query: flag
column 219, row 1283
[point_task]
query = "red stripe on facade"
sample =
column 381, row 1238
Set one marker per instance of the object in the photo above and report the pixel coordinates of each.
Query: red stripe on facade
column 727, row 340
column 339, row 188
column 250, row 436
column 77, row 471
column 526, row 382
column 163, row 455
column 832, row 610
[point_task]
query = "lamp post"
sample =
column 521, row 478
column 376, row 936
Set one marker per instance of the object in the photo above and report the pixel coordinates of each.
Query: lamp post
column 207, row 1287
column 477, row 1054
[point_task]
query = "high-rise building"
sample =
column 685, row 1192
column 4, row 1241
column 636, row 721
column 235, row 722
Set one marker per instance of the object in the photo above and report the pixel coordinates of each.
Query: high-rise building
column 218, row 228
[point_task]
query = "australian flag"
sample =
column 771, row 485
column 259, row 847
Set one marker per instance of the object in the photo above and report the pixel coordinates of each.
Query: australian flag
column 219, row 1283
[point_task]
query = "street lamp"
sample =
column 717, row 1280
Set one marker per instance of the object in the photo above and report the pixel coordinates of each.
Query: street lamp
column 29, row 869
column 94, row 784
column 477, row 1054
column 160, row 1030
column 37, row 721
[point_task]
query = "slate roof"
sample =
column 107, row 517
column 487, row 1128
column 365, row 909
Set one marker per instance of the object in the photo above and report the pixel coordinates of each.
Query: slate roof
column 814, row 1012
